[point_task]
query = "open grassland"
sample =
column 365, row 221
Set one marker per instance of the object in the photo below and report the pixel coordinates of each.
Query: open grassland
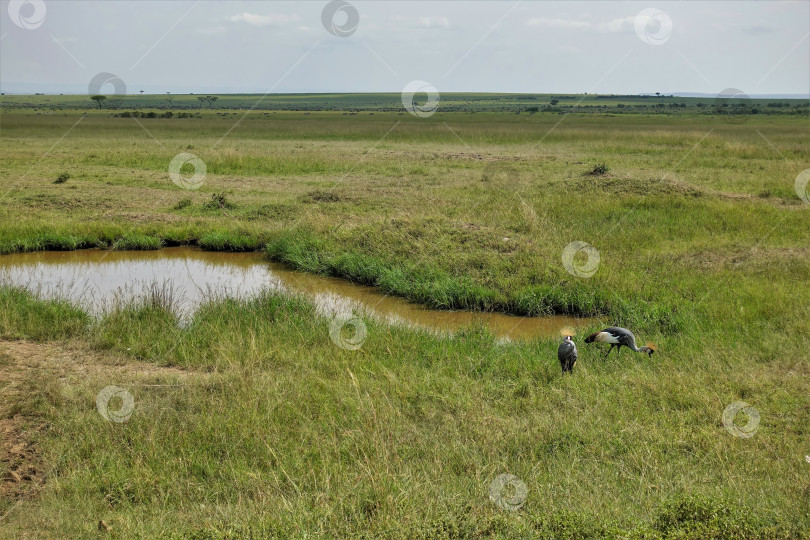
column 273, row 430
column 450, row 101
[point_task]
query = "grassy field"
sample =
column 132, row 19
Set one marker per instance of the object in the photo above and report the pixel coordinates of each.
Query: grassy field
column 392, row 102
column 266, row 428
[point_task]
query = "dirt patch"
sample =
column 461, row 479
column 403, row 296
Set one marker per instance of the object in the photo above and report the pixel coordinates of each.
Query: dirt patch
column 324, row 196
column 744, row 257
column 143, row 217
column 632, row 186
column 50, row 201
column 20, row 461
column 24, row 365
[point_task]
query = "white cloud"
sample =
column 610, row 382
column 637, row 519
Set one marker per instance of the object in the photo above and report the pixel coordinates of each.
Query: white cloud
column 434, row 21
column 254, row 19
column 623, row 24
column 428, row 21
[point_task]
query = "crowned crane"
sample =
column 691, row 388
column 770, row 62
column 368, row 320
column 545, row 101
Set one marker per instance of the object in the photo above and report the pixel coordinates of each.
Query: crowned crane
column 567, row 354
column 618, row 337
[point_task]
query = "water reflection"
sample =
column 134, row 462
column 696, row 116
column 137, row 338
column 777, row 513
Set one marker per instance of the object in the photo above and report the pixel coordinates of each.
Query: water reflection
column 98, row 279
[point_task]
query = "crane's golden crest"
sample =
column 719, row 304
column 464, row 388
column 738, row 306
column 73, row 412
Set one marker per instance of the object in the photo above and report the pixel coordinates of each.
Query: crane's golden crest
column 652, row 346
column 567, row 332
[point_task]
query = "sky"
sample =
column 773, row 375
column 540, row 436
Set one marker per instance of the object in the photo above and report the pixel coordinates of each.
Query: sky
column 624, row 47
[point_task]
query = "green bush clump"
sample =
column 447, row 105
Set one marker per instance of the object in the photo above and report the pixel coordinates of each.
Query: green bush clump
column 228, row 241
column 182, row 203
column 219, row 201
column 137, row 241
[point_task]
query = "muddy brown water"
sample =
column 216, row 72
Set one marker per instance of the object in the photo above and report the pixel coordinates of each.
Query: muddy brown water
column 98, row 279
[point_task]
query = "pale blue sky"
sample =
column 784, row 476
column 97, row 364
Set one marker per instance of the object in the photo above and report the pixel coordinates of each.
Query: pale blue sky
column 759, row 47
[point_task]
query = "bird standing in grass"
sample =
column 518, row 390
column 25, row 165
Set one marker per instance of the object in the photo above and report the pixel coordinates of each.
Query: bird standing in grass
column 619, row 337
column 567, row 354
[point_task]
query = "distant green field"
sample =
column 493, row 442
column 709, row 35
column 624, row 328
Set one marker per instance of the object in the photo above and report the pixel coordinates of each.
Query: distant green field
column 704, row 249
column 455, row 102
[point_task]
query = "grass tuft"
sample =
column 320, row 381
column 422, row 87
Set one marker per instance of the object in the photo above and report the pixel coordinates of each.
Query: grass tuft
column 137, row 241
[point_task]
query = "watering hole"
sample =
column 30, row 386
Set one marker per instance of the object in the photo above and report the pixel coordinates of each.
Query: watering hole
column 98, row 280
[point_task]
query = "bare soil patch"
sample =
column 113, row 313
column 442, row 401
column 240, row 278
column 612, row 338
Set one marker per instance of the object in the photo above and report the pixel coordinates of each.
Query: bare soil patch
column 23, row 366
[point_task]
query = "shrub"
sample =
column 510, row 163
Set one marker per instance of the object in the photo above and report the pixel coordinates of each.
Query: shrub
column 219, row 202
column 62, row 178
column 183, row 203
column 599, row 169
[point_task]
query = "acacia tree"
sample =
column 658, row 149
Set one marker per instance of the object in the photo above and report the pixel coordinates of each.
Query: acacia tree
column 169, row 98
column 98, row 99
column 207, row 99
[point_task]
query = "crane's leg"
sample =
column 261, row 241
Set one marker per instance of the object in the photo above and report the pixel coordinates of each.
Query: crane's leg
column 610, row 349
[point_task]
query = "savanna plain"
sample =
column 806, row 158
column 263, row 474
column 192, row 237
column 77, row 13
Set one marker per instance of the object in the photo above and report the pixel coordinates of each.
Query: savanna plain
column 250, row 422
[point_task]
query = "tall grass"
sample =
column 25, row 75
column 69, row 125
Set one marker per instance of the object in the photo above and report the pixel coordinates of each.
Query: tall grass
column 278, row 433
column 24, row 316
column 425, row 284
column 273, row 430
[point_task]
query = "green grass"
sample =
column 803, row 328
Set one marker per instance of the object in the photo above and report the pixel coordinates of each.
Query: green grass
column 281, row 433
column 23, row 316
column 366, row 103
column 703, row 250
column 133, row 240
